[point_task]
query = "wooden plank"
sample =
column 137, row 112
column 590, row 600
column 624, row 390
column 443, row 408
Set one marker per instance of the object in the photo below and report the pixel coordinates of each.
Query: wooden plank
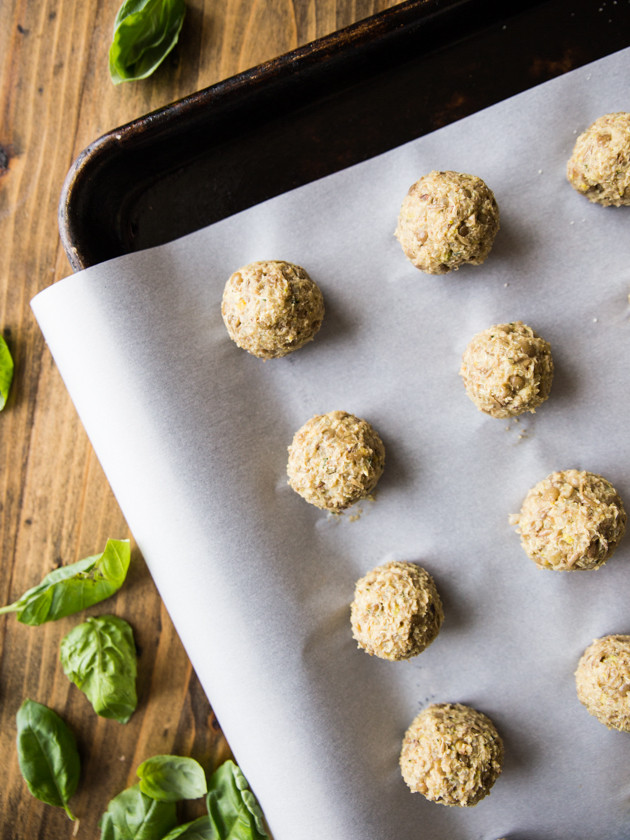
column 55, row 504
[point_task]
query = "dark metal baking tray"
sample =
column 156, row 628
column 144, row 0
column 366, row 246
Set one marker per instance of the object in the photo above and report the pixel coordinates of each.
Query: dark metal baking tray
column 327, row 105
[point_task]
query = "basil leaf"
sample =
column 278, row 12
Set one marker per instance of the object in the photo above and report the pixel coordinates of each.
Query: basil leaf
column 72, row 588
column 199, row 829
column 47, row 753
column 145, row 31
column 233, row 809
column 170, row 778
column 99, row 656
column 6, row 372
column 133, row 816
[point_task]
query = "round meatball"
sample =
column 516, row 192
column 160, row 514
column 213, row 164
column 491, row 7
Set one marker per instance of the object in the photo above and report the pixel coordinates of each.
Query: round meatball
column 603, row 681
column 599, row 167
column 271, row 308
column 396, row 612
column 451, row 754
column 507, row 370
column 571, row 520
column 335, row 459
column 447, row 219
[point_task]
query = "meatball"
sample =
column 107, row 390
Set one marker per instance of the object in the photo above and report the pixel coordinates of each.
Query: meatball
column 335, row 459
column 571, row 520
column 603, row 681
column 507, row 370
column 396, row 612
column 447, row 219
column 271, row 308
column 451, row 754
column 599, row 167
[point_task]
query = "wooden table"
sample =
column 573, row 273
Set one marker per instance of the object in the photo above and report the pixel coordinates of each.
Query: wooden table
column 55, row 504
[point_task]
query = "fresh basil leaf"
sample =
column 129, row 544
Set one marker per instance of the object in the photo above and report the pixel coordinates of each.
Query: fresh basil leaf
column 233, row 809
column 99, row 656
column 170, row 778
column 48, row 755
column 6, row 372
column 70, row 589
column 145, row 31
column 200, row 829
column 133, row 816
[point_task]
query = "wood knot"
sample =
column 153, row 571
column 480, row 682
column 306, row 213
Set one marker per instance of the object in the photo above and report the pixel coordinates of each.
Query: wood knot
column 4, row 160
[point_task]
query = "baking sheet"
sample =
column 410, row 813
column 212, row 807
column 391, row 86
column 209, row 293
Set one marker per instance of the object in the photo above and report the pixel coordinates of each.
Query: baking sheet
column 192, row 434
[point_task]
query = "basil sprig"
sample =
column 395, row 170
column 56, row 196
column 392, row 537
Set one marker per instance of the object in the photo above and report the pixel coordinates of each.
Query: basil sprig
column 72, row 588
column 99, row 657
column 233, row 809
column 145, row 31
column 134, row 816
column 170, row 778
column 47, row 753
column 6, row 372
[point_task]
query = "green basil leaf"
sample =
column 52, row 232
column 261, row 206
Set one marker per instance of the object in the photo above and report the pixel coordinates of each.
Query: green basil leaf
column 47, row 753
column 99, row 656
column 70, row 589
column 6, row 372
column 170, row 778
column 145, row 31
column 133, row 816
column 233, row 809
column 200, row 829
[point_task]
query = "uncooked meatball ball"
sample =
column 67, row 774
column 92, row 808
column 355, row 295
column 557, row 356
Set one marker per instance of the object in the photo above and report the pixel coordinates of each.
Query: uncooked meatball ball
column 335, row 459
column 599, row 167
column 271, row 308
column 603, row 681
column 571, row 520
column 451, row 754
column 396, row 612
column 447, row 219
column 507, row 370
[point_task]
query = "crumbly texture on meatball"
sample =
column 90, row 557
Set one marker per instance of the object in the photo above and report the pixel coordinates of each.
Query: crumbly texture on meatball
column 447, row 219
column 599, row 167
column 571, row 520
column 396, row 612
column 507, row 370
column 602, row 680
column 451, row 754
column 335, row 459
column 271, row 308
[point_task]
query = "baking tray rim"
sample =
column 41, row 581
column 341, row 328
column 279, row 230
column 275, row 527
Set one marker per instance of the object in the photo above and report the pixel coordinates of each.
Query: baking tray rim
column 371, row 30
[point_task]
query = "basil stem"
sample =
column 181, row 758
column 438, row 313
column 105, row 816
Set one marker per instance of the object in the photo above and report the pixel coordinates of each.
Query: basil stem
column 170, row 778
column 233, row 809
column 47, row 753
column 99, row 657
column 133, row 816
column 72, row 588
column 6, row 372
column 145, row 31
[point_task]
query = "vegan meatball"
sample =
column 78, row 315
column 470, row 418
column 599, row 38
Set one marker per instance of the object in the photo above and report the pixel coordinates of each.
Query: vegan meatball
column 507, row 370
column 451, row 754
column 447, row 219
column 271, row 308
column 599, row 167
column 396, row 612
column 603, row 681
column 335, row 459
column 571, row 520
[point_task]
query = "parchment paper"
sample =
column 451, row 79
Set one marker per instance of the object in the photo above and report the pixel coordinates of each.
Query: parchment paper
column 192, row 434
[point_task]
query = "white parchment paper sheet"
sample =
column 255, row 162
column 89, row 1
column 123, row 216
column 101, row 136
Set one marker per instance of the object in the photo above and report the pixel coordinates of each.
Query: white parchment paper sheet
column 192, row 434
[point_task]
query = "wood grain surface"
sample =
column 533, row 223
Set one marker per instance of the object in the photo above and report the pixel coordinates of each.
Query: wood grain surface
column 55, row 504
